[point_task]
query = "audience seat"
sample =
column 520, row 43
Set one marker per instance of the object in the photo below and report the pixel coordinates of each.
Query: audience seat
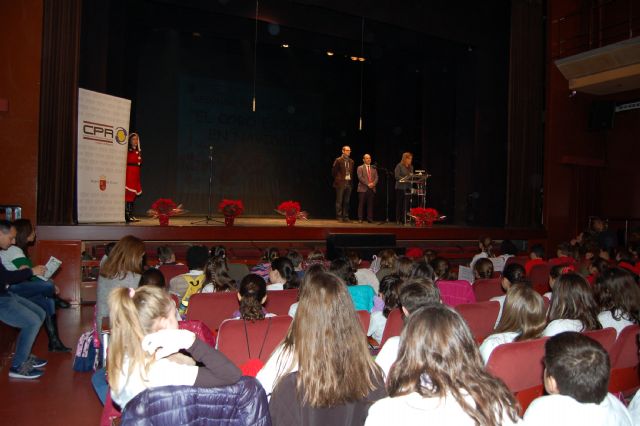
column 455, row 292
column 263, row 336
column 212, row 308
column 606, row 337
column 539, row 278
column 485, row 289
column 521, row 260
column 624, row 361
column 170, row 271
column 279, row 301
column 393, row 327
column 519, row 365
column 480, row 317
column 365, row 319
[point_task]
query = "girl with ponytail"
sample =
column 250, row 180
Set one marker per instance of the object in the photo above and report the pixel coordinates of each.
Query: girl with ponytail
column 252, row 294
column 145, row 343
column 282, row 275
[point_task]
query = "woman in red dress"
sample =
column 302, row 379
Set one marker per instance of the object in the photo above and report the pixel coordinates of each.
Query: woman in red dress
column 132, row 183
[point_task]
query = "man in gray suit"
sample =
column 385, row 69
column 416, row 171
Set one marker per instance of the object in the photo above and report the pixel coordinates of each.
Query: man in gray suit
column 342, row 172
column 367, row 181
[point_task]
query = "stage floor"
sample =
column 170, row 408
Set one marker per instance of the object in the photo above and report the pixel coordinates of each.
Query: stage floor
column 194, row 228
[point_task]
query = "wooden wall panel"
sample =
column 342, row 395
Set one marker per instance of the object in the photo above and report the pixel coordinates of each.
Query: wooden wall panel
column 21, row 33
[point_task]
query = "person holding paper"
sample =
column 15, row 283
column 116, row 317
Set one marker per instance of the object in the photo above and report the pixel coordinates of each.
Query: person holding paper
column 37, row 290
column 367, row 181
column 132, row 188
column 342, row 172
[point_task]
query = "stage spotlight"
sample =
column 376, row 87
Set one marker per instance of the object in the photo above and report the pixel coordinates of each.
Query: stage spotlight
column 285, row 45
column 354, row 58
column 361, row 59
column 329, row 53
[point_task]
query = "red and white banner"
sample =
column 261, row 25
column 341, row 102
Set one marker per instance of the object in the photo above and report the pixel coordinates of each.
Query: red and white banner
column 103, row 130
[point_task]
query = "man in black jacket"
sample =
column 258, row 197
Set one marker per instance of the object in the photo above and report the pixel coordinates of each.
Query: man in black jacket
column 19, row 312
column 342, row 172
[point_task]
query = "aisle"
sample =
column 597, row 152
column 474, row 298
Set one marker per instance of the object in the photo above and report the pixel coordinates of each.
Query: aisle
column 61, row 396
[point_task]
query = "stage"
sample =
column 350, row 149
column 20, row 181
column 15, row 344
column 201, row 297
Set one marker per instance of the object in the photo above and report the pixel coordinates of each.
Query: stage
column 188, row 228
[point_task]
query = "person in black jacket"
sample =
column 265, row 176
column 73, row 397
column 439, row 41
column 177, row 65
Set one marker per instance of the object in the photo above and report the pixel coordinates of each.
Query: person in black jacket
column 18, row 312
column 343, row 177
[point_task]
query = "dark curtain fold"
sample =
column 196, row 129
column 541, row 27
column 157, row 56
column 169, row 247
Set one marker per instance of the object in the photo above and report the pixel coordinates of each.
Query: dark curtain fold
column 526, row 109
column 58, row 112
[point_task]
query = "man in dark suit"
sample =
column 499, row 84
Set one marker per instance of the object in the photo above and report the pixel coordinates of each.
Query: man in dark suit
column 367, row 181
column 342, row 177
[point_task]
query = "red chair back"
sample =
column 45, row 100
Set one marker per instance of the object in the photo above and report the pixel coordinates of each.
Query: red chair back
column 265, row 334
column 212, row 308
column 519, row 366
column 393, row 327
column 539, row 277
column 365, row 319
column 170, row 271
column 521, row 260
column 606, row 337
column 624, row 361
column 486, row 289
column 456, row 292
column 480, row 317
column 279, row 301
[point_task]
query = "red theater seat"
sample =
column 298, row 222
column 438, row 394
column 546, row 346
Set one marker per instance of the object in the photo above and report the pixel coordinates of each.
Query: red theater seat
column 279, row 301
column 624, row 361
column 519, row 366
column 263, row 337
column 212, row 308
column 393, row 327
column 485, row 289
column 480, row 317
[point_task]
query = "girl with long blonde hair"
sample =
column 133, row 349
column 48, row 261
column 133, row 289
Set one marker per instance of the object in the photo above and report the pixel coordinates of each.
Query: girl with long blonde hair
column 144, row 345
column 122, row 268
column 323, row 372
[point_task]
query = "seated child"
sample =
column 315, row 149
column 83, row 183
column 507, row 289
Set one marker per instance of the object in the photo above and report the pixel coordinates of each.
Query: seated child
column 576, row 378
column 536, row 257
column 386, row 301
column 564, row 256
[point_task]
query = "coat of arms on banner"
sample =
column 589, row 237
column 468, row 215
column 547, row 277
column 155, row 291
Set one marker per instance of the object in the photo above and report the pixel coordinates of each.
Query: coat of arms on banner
column 103, row 183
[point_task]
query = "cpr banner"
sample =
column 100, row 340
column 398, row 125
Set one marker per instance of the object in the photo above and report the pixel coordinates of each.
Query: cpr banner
column 103, row 127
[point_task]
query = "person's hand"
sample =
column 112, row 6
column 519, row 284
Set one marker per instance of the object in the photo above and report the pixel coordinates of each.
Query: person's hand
column 39, row 270
column 166, row 342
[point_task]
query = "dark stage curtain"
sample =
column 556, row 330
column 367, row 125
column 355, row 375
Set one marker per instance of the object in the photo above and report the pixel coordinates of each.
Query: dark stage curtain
column 526, row 107
column 58, row 111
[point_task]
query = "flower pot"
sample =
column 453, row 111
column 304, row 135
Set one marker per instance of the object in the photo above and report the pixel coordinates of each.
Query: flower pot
column 163, row 219
column 228, row 220
column 422, row 222
column 291, row 220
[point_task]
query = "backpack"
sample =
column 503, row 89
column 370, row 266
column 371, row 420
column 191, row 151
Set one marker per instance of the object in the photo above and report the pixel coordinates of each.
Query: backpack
column 252, row 366
column 86, row 358
column 194, row 286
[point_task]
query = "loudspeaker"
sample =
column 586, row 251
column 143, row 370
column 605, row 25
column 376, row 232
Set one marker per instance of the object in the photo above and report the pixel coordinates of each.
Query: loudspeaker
column 366, row 244
column 601, row 115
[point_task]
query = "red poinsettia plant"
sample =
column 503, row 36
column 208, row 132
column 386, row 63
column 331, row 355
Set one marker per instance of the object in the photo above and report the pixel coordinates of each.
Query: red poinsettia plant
column 165, row 207
column 292, row 209
column 231, row 208
column 426, row 214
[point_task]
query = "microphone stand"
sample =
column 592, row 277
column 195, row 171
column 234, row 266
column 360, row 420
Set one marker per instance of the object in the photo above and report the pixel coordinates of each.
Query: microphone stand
column 387, row 173
column 209, row 217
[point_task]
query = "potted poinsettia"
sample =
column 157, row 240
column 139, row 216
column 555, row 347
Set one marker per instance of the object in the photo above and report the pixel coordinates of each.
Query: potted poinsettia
column 290, row 210
column 424, row 216
column 163, row 209
column 230, row 209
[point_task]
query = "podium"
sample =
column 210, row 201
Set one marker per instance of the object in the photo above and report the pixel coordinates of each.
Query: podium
column 416, row 196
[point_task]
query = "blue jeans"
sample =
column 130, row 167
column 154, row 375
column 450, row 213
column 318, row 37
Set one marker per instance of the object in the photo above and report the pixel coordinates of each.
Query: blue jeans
column 18, row 312
column 39, row 292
